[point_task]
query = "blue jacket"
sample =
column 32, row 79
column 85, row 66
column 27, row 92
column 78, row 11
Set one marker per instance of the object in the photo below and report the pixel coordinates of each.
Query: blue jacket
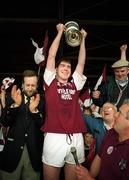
column 96, row 127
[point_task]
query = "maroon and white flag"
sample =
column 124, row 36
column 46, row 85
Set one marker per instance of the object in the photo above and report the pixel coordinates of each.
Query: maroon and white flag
column 40, row 53
column 7, row 82
column 101, row 78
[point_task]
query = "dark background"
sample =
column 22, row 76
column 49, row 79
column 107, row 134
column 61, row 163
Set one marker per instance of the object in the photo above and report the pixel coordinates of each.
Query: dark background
column 106, row 21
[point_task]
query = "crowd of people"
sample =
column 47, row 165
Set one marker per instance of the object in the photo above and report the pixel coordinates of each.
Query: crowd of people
column 39, row 130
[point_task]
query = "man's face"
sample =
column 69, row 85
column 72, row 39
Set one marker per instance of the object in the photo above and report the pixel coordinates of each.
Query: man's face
column 121, row 122
column 108, row 111
column 121, row 73
column 63, row 71
column 30, row 85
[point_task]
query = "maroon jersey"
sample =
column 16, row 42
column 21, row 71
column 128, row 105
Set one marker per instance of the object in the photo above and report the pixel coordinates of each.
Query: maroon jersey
column 114, row 157
column 63, row 113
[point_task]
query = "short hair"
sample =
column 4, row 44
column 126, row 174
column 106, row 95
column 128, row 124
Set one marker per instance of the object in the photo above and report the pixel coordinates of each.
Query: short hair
column 126, row 101
column 63, row 59
column 29, row 73
column 108, row 102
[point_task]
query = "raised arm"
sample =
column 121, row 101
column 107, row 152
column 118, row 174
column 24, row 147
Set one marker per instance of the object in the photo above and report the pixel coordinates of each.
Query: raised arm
column 54, row 48
column 123, row 49
column 82, row 54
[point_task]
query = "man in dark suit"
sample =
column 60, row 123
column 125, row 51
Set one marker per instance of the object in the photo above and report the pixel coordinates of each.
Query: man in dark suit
column 21, row 156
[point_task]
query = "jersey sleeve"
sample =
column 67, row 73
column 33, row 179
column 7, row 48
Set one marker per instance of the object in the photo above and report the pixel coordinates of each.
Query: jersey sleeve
column 49, row 76
column 79, row 80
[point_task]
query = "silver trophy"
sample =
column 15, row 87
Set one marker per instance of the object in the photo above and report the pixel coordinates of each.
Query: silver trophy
column 72, row 33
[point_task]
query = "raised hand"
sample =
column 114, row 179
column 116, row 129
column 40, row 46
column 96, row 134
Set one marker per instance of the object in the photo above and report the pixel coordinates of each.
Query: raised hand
column 96, row 94
column 123, row 49
column 84, row 33
column 16, row 95
column 60, row 27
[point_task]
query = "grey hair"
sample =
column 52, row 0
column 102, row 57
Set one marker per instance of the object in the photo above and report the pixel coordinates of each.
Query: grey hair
column 126, row 101
column 115, row 108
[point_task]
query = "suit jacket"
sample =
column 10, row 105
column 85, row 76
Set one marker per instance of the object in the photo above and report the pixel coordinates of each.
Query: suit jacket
column 24, row 128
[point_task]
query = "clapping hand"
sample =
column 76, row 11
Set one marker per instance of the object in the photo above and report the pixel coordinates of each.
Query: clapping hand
column 16, row 95
column 34, row 101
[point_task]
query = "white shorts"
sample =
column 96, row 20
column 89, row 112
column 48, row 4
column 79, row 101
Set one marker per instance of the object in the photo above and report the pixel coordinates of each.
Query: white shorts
column 56, row 149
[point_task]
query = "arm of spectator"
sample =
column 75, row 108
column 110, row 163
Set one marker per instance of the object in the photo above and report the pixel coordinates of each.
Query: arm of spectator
column 95, row 166
column 123, row 49
column 91, row 123
column 82, row 173
column 100, row 96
